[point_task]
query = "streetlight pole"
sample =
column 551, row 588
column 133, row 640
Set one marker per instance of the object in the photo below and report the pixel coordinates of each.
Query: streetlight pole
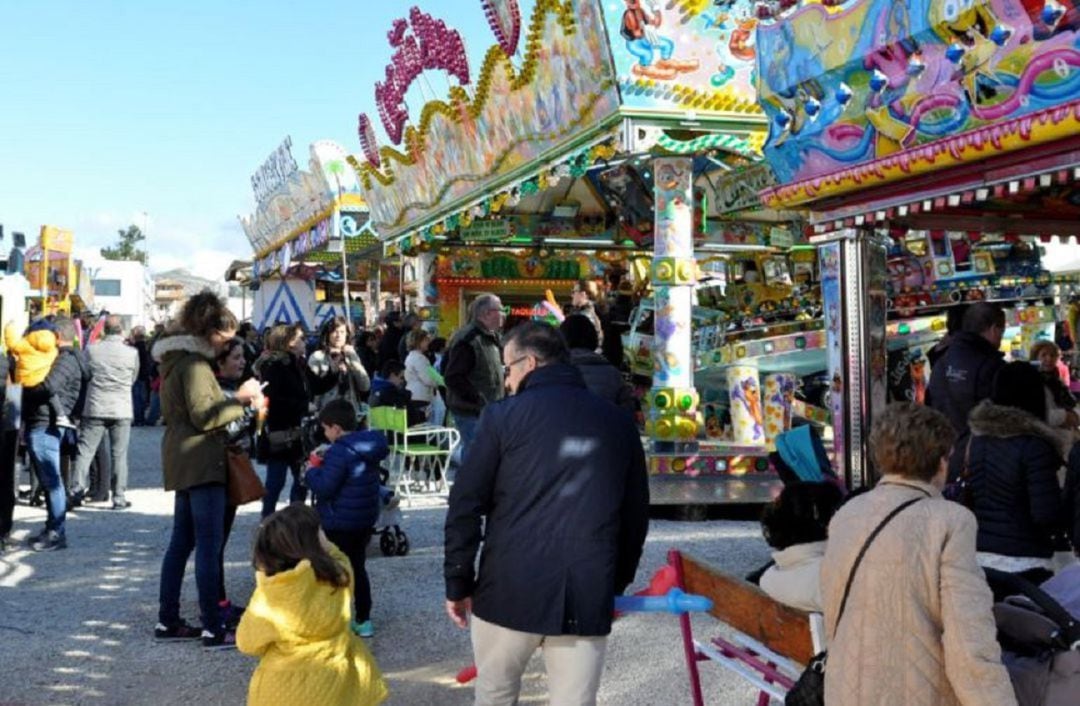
column 146, row 266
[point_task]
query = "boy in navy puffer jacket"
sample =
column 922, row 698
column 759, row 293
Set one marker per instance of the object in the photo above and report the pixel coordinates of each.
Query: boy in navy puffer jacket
column 345, row 482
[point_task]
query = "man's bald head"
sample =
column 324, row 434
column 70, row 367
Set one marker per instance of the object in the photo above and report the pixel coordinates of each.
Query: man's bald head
column 114, row 326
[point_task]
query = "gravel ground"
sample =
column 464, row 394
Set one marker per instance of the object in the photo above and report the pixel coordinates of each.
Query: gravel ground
column 75, row 625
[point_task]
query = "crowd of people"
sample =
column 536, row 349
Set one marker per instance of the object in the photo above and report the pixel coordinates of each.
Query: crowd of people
column 991, row 473
column 985, row 476
column 79, row 398
column 220, row 388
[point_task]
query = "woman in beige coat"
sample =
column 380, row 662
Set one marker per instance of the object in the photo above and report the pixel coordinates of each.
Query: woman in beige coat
column 917, row 628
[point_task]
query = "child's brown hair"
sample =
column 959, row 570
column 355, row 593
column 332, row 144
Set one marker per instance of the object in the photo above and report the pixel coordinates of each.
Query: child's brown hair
column 291, row 535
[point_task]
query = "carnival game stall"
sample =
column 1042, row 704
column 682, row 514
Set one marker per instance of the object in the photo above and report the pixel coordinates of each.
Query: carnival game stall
column 617, row 142
column 311, row 239
column 60, row 282
column 935, row 145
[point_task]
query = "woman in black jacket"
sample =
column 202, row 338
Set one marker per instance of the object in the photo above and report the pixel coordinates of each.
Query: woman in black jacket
column 289, row 388
column 1011, row 471
column 367, row 348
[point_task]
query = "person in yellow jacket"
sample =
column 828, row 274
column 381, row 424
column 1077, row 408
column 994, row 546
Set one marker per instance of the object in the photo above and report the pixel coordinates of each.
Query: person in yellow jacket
column 34, row 354
column 297, row 621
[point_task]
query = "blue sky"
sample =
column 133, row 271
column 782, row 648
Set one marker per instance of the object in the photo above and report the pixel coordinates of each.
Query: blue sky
column 110, row 109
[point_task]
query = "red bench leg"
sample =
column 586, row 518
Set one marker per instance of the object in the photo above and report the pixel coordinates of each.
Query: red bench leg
column 675, row 560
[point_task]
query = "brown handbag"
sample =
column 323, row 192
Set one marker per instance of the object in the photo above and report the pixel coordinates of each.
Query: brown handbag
column 244, row 485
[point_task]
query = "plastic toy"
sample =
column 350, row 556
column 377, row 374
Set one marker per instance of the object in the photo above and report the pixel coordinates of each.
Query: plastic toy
column 676, row 602
column 661, row 596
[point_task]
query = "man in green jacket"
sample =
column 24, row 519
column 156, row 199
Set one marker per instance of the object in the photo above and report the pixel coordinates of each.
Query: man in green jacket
column 474, row 370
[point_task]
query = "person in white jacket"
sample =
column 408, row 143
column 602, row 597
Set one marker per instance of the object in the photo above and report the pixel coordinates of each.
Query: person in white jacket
column 796, row 526
column 421, row 378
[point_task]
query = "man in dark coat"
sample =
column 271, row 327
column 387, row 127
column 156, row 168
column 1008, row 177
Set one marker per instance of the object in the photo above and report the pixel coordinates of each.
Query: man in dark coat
column 964, row 376
column 45, row 422
column 601, row 377
column 391, row 338
column 558, row 477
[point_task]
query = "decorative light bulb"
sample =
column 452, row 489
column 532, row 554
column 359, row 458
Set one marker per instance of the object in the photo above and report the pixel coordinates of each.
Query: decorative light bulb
column 843, row 94
column 955, row 52
column 878, row 81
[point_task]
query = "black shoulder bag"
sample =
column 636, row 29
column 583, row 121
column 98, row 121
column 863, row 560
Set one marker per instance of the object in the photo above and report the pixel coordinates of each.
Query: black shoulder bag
column 809, row 690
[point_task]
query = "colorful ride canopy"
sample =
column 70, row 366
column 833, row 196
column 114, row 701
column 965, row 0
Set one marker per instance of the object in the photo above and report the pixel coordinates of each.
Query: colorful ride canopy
column 579, row 69
column 877, row 90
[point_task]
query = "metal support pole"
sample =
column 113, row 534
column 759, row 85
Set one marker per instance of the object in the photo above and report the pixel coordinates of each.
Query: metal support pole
column 429, row 291
column 673, row 402
column 853, row 288
column 374, row 281
column 345, row 284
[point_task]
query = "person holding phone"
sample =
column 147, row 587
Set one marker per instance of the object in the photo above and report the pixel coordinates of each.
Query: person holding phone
column 193, row 462
column 338, row 365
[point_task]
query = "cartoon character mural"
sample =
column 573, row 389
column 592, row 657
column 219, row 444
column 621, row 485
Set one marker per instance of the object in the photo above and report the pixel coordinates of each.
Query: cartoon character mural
column 706, row 49
column 919, row 379
column 668, row 368
column 881, row 77
column 747, row 420
column 641, row 23
column 779, row 395
column 674, row 216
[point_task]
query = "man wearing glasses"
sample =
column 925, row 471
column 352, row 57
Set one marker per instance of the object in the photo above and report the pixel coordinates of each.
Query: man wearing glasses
column 474, row 368
column 556, row 477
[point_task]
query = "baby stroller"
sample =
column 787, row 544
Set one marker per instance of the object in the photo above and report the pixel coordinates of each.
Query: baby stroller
column 392, row 539
column 311, row 434
column 1040, row 637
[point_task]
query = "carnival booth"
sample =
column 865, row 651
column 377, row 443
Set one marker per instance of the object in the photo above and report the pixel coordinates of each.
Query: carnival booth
column 617, row 142
column 311, row 240
column 60, row 282
column 935, row 144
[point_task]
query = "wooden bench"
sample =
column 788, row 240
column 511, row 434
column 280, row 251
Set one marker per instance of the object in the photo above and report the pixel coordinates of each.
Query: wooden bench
column 772, row 642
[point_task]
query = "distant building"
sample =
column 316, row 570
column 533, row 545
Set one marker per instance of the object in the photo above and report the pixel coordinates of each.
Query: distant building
column 173, row 287
column 124, row 288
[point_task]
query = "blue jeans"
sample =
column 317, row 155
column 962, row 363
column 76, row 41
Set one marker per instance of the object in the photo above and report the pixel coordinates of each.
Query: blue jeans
column 43, row 443
column 466, row 425
column 199, row 524
column 643, row 50
column 275, row 483
column 154, row 414
column 140, row 399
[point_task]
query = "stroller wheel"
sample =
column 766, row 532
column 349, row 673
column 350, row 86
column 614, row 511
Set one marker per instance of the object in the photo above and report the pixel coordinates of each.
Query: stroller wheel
column 387, row 543
column 402, row 543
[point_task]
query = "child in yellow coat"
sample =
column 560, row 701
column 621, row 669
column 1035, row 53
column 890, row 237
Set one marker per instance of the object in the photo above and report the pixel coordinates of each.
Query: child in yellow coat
column 297, row 621
column 34, row 354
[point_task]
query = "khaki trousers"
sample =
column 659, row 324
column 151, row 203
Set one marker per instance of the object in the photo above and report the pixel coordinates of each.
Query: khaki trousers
column 573, row 663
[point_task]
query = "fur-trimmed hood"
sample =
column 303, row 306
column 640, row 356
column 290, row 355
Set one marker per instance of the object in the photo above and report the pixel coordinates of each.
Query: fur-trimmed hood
column 182, row 343
column 989, row 419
